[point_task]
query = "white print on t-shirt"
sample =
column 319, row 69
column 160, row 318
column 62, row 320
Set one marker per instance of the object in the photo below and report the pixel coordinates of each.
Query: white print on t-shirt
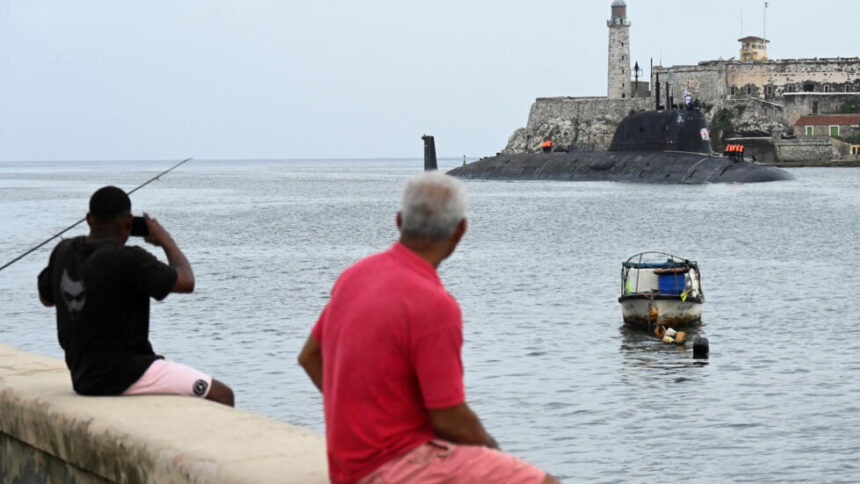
column 74, row 294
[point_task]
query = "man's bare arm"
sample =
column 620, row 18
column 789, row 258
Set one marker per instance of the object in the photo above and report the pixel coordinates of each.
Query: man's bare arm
column 460, row 425
column 159, row 236
column 311, row 360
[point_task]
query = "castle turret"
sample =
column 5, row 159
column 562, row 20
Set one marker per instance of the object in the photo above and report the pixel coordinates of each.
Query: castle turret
column 619, row 51
column 753, row 48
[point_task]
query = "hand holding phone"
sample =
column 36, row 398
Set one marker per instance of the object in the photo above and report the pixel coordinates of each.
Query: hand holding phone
column 155, row 233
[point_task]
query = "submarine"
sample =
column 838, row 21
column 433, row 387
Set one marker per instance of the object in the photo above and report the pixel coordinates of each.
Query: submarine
column 664, row 146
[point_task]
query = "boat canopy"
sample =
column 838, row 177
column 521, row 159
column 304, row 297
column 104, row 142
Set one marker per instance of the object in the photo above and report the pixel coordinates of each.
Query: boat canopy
column 669, row 264
column 659, row 273
column 638, row 261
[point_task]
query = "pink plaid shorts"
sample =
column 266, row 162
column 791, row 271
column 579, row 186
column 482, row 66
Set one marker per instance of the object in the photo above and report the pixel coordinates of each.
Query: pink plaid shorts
column 439, row 461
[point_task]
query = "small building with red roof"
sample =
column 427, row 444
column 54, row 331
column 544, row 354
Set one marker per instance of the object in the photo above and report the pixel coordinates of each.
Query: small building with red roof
column 842, row 125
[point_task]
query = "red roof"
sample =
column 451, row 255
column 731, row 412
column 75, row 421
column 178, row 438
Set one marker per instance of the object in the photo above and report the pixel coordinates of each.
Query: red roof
column 828, row 120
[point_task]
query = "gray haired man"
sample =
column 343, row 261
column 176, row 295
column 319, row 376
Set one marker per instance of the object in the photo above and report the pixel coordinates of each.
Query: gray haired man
column 385, row 352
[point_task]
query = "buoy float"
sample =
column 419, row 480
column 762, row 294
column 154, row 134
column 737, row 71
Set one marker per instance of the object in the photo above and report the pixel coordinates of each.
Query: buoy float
column 653, row 313
column 700, row 347
column 669, row 335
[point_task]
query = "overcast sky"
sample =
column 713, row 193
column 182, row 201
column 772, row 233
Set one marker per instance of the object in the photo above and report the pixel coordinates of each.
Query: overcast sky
column 167, row 79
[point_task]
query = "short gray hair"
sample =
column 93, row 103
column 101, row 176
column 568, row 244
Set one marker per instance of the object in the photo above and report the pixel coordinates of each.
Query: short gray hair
column 432, row 206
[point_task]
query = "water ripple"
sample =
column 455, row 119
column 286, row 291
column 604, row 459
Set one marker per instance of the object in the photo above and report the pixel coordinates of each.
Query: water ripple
column 550, row 369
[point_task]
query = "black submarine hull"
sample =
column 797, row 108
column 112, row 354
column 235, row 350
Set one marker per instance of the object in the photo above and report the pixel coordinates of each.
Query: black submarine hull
column 664, row 146
column 624, row 166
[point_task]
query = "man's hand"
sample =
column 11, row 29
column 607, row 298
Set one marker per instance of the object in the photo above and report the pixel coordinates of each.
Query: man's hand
column 159, row 236
column 460, row 425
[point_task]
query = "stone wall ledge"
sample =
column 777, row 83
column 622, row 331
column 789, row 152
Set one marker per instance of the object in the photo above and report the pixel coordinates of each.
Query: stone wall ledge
column 142, row 439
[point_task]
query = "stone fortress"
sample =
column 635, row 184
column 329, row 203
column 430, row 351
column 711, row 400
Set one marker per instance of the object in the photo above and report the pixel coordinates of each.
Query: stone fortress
column 762, row 103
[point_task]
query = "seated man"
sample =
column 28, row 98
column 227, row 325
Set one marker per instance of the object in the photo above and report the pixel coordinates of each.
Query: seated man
column 385, row 353
column 101, row 289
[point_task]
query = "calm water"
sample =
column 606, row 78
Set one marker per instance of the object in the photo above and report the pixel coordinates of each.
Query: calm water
column 549, row 367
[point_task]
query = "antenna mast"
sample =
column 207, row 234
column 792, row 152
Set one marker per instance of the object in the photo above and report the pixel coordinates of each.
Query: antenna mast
column 764, row 22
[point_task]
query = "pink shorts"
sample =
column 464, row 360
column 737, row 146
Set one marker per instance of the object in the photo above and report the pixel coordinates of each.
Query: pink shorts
column 439, row 461
column 165, row 377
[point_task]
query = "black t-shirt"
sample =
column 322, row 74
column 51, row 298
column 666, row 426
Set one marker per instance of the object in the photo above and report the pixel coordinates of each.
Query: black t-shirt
column 101, row 290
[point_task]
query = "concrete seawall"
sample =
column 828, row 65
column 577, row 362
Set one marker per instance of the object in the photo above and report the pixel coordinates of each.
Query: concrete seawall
column 50, row 434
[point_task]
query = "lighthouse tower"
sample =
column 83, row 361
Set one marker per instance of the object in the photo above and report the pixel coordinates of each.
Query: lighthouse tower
column 619, row 52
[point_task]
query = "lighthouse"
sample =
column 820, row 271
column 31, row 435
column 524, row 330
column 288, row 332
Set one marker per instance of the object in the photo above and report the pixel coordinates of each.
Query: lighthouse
column 619, row 52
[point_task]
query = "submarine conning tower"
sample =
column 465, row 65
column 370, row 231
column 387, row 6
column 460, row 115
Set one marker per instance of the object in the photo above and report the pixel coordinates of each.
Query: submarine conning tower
column 670, row 130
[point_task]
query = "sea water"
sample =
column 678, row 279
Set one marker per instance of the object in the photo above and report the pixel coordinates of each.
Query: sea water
column 549, row 366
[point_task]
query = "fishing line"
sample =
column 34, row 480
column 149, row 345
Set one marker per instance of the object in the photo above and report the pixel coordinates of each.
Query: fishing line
column 70, row 227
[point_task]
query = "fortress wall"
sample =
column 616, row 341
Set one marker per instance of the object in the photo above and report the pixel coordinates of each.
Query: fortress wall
column 790, row 75
column 49, row 434
column 712, row 81
column 808, row 150
column 575, row 123
column 549, row 109
column 800, row 104
column 707, row 82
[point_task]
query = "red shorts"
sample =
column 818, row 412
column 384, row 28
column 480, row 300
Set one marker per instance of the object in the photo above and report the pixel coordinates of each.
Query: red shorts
column 439, row 461
column 165, row 377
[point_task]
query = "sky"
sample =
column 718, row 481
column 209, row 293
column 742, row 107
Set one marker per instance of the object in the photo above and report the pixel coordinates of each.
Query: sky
column 251, row 79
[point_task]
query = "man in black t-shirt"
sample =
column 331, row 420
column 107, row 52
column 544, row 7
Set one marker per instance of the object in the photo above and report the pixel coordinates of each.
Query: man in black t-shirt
column 101, row 290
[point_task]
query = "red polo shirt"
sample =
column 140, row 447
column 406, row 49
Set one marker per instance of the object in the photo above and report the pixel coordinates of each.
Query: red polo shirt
column 391, row 338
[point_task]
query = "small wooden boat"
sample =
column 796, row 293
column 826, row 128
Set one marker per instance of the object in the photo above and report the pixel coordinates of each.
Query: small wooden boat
column 660, row 288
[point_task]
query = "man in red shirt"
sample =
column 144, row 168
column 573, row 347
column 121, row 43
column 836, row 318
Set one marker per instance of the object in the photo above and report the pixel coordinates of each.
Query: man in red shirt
column 385, row 353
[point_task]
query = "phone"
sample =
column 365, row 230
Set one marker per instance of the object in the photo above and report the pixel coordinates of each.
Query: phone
column 138, row 227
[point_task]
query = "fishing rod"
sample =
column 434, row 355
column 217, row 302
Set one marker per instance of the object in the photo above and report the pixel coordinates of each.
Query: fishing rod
column 70, row 227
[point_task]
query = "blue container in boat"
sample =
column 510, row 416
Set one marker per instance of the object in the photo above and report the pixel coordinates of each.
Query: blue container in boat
column 671, row 283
